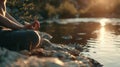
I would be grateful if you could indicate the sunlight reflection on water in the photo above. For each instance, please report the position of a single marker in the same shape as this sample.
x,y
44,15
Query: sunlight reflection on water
x,y
102,35
103,21
105,51
76,20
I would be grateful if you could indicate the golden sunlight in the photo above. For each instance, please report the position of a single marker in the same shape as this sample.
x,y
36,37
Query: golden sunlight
x,y
103,22
102,35
103,40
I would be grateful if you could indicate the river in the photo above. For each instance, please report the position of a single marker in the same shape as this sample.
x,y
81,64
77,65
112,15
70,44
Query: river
x,y
99,36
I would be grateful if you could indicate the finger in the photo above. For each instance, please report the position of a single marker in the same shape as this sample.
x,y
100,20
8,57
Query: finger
x,y
36,24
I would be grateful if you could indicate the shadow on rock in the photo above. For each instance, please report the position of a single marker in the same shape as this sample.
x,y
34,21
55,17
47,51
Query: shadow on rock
x,y
47,55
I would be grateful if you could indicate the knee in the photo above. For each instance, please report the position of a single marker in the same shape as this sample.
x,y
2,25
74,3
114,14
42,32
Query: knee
x,y
36,40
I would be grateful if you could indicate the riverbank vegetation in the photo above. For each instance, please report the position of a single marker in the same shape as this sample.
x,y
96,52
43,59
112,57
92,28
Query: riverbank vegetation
x,y
49,9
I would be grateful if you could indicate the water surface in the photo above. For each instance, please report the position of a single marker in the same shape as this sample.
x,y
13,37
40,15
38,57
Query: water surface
x,y
100,36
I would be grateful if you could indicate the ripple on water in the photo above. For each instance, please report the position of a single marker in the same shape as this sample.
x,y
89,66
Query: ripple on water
x,y
103,42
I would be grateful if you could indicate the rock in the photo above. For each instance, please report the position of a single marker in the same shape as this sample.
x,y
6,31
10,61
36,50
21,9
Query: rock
x,y
74,64
45,35
25,52
46,43
47,55
43,62
13,59
67,37
7,58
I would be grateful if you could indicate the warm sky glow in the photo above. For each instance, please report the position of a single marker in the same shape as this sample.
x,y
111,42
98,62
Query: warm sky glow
x,y
102,7
104,3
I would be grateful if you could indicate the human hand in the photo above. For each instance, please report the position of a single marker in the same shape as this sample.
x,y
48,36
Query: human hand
x,y
34,26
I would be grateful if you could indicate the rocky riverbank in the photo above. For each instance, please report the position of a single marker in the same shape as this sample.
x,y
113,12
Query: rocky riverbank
x,y
47,55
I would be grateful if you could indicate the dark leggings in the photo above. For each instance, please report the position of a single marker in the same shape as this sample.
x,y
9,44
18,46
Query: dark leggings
x,y
19,39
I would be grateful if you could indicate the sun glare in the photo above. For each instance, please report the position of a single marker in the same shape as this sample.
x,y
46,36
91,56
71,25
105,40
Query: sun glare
x,y
103,22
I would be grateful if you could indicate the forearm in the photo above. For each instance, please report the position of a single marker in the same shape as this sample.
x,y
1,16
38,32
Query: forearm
x,y
11,18
10,24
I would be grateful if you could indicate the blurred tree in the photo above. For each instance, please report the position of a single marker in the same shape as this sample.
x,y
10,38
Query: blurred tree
x,y
51,10
44,9
67,9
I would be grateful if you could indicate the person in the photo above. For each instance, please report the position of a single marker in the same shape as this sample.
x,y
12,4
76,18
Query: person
x,y
14,35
